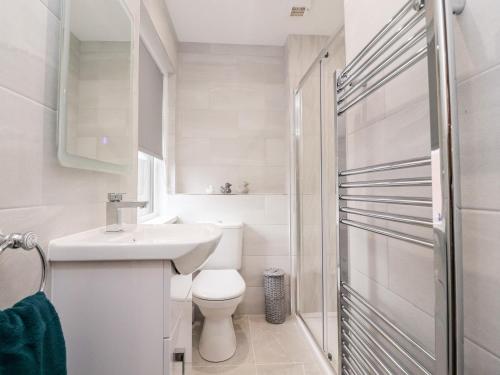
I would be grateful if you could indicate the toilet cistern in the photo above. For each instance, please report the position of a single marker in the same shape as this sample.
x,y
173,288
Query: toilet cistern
x,y
113,211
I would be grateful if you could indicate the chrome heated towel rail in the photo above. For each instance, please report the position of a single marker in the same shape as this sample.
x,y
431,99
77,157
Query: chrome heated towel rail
x,y
369,341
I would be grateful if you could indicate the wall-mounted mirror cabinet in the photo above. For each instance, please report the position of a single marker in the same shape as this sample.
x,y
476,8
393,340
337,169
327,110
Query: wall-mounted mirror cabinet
x,y
95,97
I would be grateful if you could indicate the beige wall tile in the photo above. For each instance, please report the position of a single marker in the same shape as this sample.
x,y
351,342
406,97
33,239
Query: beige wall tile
x,y
30,55
481,278
234,97
479,115
476,38
37,193
266,240
253,301
479,361
254,266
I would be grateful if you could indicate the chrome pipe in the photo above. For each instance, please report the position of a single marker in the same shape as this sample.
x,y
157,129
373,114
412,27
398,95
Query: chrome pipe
x,y
407,201
355,361
389,233
446,213
381,332
354,354
383,49
417,181
353,338
353,327
382,65
342,235
353,349
382,317
392,22
387,216
404,66
355,370
402,164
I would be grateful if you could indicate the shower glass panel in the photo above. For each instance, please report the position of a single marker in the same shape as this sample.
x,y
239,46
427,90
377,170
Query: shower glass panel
x,y
310,302
314,192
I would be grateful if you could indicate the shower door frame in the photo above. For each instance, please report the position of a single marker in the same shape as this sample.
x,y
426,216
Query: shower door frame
x,y
325,219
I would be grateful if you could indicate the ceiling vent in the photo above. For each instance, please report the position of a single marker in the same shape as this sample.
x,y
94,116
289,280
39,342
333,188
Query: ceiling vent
x,y
299,7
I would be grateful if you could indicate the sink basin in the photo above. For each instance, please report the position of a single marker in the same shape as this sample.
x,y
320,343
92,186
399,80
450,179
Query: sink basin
x,y
186,245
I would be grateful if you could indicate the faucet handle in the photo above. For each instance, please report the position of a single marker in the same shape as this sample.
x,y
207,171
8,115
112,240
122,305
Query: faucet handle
x,y
115,197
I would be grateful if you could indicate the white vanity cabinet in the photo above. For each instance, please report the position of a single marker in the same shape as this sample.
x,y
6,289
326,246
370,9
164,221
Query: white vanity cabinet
x,y
123,317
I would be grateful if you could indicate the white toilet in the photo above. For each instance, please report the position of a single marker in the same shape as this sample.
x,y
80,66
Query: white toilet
x,y
217,291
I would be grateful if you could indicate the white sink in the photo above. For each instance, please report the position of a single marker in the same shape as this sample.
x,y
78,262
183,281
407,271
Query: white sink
x,y
186,245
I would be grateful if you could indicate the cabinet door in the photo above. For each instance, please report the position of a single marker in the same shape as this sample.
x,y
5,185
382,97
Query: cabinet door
x,y
175,354
112,316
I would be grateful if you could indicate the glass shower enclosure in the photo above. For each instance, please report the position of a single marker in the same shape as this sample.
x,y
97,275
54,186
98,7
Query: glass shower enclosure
x,y
313,220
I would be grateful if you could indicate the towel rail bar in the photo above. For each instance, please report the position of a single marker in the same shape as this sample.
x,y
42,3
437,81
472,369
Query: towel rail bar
x,y
357,330
383,334
352,79
389,233
401,164
388,27
407,201
404,66
356,364
381,66
387,321
417,181
353,337
354,370
364,363
388,216
359,351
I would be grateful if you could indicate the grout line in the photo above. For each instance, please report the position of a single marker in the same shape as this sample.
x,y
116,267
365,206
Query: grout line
x,y
475,75
473,209
51,12
33,101
482,347
251,341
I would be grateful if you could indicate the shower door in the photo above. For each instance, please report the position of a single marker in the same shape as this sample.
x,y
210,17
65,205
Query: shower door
x,y
316,256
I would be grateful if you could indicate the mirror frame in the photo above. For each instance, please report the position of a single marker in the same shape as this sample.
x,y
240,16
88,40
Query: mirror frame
x,y
71,160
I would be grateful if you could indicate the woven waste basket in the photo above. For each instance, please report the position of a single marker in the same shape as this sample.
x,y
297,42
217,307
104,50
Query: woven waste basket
x,y
275,295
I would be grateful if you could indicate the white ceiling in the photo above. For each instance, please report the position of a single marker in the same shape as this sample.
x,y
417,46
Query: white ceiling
x,y
261,22
100,20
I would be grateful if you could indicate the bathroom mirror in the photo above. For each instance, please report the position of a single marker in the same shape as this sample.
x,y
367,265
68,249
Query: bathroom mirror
x,y
95,93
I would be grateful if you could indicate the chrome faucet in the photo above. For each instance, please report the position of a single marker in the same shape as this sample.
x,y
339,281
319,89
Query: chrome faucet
x,y
113,211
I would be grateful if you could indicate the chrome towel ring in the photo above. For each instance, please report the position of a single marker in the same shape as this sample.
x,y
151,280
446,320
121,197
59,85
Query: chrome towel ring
x,y
27,241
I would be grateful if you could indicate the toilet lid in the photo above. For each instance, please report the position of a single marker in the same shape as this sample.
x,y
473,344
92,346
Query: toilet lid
x,y
218,285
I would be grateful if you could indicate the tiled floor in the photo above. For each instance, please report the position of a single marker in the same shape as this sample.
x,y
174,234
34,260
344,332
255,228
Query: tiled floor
x,y
263,349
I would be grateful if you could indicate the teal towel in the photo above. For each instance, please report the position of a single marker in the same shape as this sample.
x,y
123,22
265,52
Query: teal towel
x,y
31,339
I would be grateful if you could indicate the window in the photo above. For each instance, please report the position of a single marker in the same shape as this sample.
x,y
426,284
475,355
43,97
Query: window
x,y
146,185
152,182
151,186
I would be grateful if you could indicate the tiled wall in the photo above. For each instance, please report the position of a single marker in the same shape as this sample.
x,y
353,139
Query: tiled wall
x,y
231,126
36,193
478,69
231,118
393,124
265,236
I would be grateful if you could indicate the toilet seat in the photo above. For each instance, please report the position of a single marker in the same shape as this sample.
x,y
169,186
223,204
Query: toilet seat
x,y
218,285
